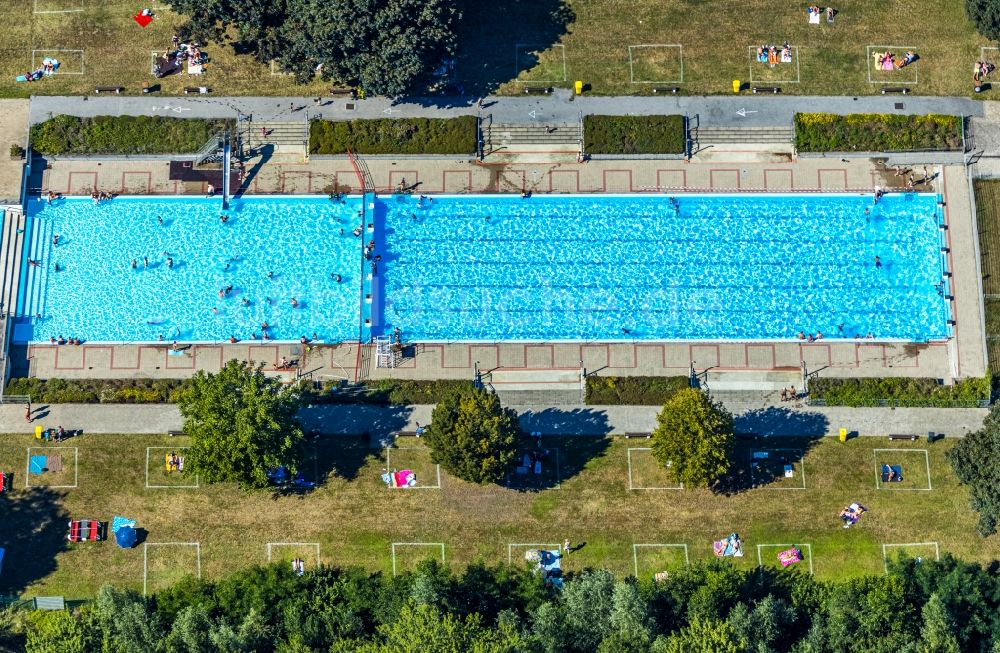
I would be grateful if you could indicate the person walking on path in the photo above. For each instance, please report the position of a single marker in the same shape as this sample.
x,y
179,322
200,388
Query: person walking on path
x,y
566,548
27,412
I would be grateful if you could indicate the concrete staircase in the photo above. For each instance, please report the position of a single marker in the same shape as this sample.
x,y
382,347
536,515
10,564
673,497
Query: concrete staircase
x,y
769,144
507,140
286,137
535,387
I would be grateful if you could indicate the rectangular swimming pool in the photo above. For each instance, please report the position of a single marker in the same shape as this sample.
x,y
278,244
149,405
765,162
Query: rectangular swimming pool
x,y
490,268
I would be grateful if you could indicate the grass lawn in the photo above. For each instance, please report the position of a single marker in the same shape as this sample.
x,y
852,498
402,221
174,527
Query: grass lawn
x,y
604,43
355,519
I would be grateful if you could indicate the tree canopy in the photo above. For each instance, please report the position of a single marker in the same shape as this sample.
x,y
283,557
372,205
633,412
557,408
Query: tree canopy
x,y
241,424
976,461
986,16
473,437
695,438
386,48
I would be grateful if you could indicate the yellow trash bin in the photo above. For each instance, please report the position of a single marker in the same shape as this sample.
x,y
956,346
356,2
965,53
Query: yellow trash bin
x,y
578,87
736,86
843,435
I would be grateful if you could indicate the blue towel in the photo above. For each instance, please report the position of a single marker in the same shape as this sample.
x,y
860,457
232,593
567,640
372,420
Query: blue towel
x,y
37,464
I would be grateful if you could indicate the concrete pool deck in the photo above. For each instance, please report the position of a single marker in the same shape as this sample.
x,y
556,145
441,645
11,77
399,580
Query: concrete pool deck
x,y
961,357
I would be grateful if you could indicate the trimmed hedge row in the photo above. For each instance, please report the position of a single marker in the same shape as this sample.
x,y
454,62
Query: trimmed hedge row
x,y
123,135
634,134
395,136
155,391
633,390
876,132
898,392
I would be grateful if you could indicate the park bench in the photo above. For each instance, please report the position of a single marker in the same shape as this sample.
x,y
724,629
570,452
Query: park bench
x,y
50,603
896,89
902,436
405,434
341,92
173,433
189,90
666,89
638,435
117,90
766,89
537,90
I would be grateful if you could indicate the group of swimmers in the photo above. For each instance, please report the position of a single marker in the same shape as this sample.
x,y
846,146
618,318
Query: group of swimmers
x,y
63,341
97,196
808,337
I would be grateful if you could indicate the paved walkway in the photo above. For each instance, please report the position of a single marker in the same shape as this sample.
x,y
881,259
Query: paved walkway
x,y
560,107
792,419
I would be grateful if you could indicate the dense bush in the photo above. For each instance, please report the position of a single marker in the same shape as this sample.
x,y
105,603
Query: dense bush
x,y
634,134
633,390
876,132
123,135
92,391
986,16
928,605
898,392
977,465
395,136
16,151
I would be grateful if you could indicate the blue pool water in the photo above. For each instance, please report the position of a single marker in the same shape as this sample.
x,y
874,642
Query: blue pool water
x,y
490,268
97,295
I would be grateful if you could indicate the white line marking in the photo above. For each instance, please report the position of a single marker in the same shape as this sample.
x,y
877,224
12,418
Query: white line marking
x,y
272,544
635,554
395,544
631,486
891,486
517,63
56,11
760,558
145,558
885,553
197,482
680,58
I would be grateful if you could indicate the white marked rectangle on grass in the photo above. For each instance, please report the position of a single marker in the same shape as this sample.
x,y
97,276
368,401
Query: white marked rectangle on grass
x,y
886,547
41,450
402,544
71,7
802,468
760,557
419,486
537,48
70,61
542,547
637,56
556,485
297,544
895,50
636,547
633,486
795,58
879,485
154,487
145,559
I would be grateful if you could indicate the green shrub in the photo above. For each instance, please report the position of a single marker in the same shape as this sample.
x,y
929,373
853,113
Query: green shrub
x,y
92,391
123,135
633,390
898,392
16,151
876,132
634,134
395,136
389,392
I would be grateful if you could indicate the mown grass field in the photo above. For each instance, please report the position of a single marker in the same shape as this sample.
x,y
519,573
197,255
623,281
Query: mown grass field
x,y
355,519
614,46
988,221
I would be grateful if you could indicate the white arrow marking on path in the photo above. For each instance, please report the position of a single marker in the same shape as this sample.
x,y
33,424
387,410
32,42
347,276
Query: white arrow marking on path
x,y
389,111
743,112
532,115
179,109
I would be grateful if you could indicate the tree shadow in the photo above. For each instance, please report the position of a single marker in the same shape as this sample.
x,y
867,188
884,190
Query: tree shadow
x,y
544,462
776,420
265,153
35,527
343,457
575,421
770,462
490,39
344,440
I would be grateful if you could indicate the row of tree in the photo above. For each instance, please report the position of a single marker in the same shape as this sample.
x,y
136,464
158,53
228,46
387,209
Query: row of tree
x,y
938,607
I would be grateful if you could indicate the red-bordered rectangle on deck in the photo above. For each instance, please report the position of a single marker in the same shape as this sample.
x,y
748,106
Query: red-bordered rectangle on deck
x,y
569,181
816,354
831,179
595,356
142,187
284,174
405,178
760,357
268,353
724,178
704,356
81,190
614,183
456,181
778,179
511,181
672,179
540,350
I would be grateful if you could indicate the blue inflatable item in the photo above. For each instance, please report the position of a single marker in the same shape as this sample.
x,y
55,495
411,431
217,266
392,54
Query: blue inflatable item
x,y
119,522
125,537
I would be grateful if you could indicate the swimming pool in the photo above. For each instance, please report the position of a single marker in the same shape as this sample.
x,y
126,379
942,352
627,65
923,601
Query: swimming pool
x,y
488,268
652,267
269,251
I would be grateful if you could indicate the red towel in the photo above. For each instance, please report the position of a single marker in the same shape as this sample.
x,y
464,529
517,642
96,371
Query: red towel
x,y
142,19
93,531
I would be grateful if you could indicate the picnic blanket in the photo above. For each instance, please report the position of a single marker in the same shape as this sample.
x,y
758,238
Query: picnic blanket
x,y
36,465
195,67
549,563
897,473
729,547
789,556
120,522
54,464
814,18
